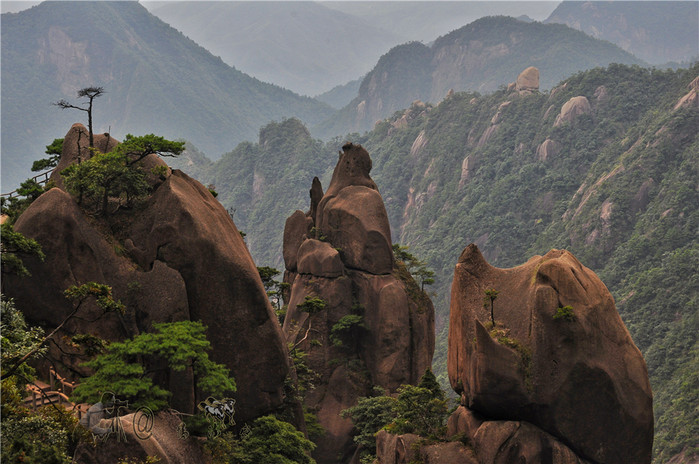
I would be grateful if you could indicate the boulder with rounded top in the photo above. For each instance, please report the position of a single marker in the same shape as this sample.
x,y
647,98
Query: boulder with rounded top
x,y
573,108
559,355
528,80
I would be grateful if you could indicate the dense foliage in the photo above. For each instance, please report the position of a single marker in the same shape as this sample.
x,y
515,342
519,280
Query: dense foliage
x,y
269,441
420,409
619,192
14,246
28,436
127,367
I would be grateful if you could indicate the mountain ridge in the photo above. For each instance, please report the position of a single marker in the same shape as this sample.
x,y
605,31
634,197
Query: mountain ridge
x,y
637,27
477,57
154,77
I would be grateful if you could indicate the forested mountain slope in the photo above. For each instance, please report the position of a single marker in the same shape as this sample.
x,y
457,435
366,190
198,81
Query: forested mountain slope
x,y
154,76
613,183
480,56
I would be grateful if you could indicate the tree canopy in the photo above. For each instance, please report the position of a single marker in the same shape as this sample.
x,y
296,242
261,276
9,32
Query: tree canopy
x,y
116,174
126,368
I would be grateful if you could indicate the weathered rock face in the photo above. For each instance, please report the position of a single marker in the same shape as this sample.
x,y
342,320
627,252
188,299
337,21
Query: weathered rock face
x,y
76,148
352,215
572,109
188,229
505,442
479,442
161,441
691,99
528,80
181,257
343,255
581,380
547,150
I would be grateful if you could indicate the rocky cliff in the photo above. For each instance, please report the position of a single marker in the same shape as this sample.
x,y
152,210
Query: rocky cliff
x,y
555,379
377,326
178,256
559,357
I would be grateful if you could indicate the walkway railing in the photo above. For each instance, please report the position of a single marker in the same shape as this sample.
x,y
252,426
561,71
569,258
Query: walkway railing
x,y
42,394
41,179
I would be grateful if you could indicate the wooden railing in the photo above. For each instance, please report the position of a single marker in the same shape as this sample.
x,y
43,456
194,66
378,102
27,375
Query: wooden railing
x,y
42,394
41,179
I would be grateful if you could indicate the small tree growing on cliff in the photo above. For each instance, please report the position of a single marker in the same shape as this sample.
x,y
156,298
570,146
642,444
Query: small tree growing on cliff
x,y
274,290
347,331
79,295
12,246
490,295
416,267
54,151
90,93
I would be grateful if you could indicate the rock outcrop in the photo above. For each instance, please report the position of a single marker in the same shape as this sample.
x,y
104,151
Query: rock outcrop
x,y
340,251
547,150
574,375
179,258
691,99
406,449
573,108
76,148
158,438
528,81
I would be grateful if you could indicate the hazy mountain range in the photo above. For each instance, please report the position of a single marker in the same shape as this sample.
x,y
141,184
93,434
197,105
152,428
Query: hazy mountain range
x,y
156,81
310,47
150,70
614,183
481,56
640,28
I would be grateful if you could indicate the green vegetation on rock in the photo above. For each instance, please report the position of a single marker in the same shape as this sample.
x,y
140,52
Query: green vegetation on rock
x,y
125,366
269,441
420,409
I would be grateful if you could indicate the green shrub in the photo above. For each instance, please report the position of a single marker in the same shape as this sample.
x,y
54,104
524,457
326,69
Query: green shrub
x,y
565,313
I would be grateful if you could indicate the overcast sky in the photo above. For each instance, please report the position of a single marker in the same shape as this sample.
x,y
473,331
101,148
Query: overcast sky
x,y
15,6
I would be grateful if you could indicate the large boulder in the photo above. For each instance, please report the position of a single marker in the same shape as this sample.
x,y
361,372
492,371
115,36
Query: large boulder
x,y
76,253
574,373
76,148
356,222
548,150
528,80
505,442
188,229
180,258
573,108
319,259
348,262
